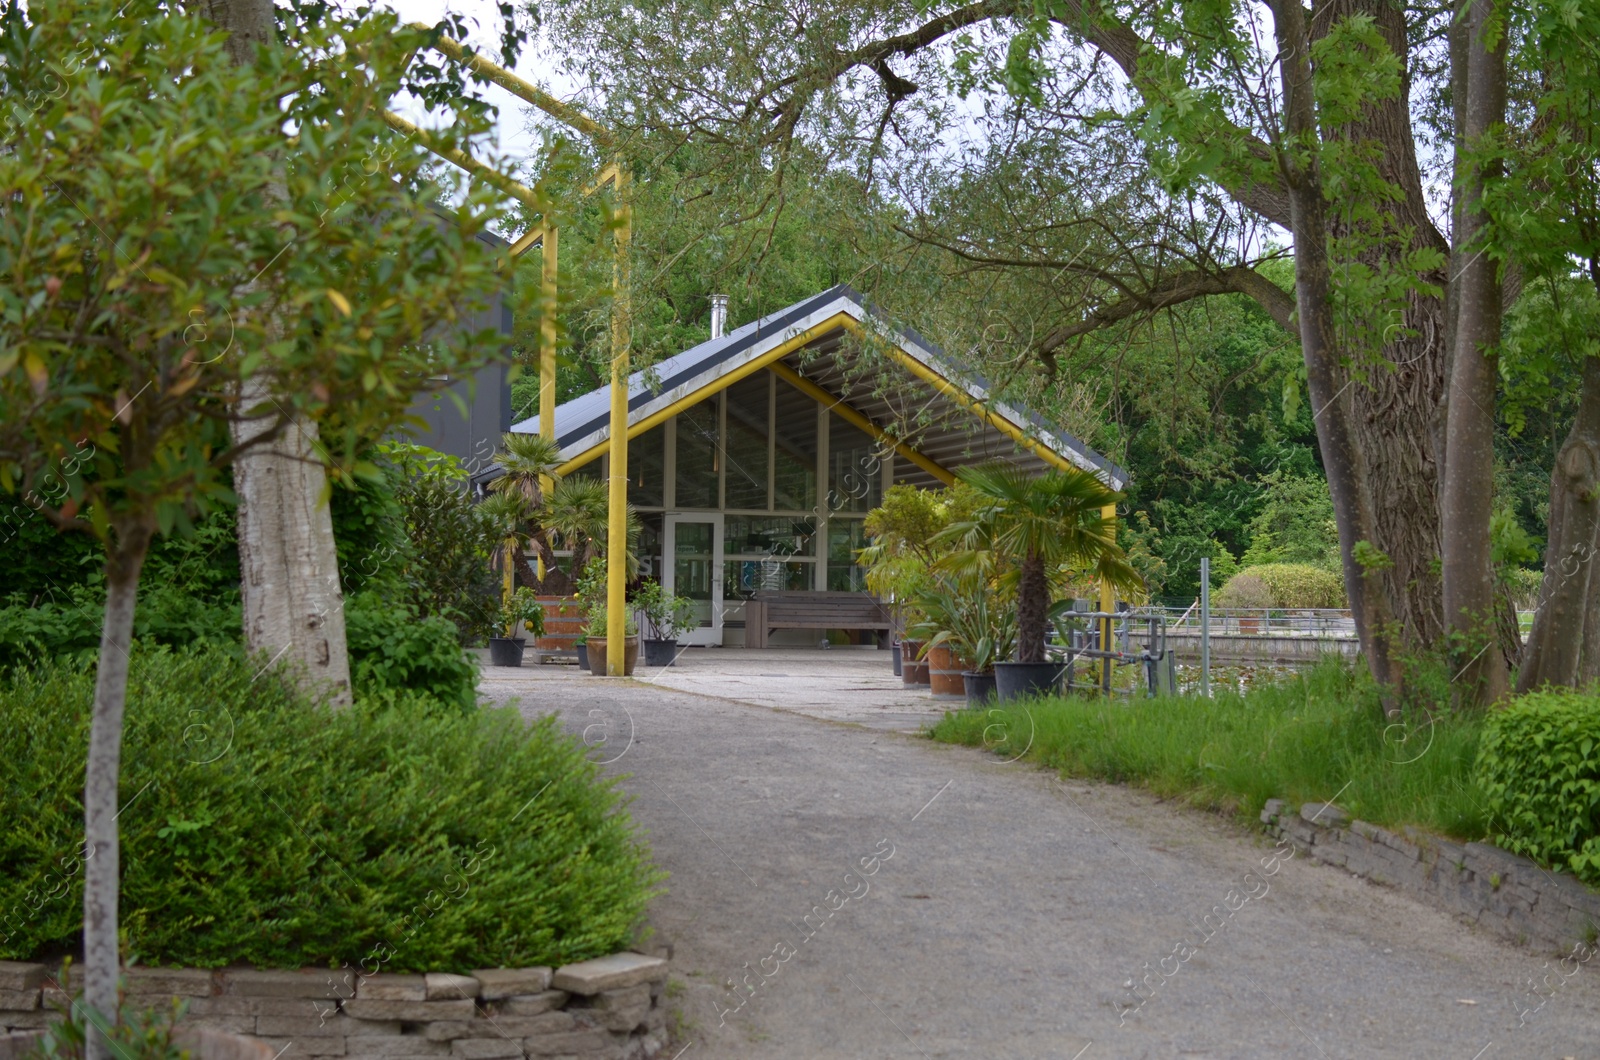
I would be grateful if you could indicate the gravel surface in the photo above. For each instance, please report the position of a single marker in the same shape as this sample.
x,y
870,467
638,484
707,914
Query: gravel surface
x,y
1015,910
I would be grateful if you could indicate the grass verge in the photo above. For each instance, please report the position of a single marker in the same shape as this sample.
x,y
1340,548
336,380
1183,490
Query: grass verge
x,y
1309,738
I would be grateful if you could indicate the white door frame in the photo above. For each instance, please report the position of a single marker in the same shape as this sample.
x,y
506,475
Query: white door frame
x,y
703,635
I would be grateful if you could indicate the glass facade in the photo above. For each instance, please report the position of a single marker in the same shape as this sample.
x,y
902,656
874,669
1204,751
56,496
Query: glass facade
x,y
855,469
794,477
745,485
845,536
647,468
697,454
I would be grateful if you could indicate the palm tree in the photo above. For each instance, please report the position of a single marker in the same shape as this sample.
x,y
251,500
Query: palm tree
x,y
528,460
1040,523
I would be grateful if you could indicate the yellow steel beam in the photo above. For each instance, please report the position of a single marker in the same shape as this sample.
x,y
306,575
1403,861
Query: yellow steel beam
x,y
509,81
516,189
1108,601
617,513
855,418
659,417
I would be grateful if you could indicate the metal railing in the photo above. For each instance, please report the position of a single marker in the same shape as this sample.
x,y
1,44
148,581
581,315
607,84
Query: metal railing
x,y
1263,621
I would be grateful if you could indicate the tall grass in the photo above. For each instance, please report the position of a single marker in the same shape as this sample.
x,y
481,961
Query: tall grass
x,y
1316,736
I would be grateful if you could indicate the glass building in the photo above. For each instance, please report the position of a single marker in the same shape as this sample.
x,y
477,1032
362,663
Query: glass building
x,y
754,457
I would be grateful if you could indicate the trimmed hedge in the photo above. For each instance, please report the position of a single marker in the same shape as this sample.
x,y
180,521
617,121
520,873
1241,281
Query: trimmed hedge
x,y
1292,585
258,827
1539,765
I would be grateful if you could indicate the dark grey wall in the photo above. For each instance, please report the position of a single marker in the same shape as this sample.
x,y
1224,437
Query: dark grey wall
x,y
472,438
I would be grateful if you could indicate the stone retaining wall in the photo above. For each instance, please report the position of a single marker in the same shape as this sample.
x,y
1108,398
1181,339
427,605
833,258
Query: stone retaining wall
x,y
1483,885
610,1008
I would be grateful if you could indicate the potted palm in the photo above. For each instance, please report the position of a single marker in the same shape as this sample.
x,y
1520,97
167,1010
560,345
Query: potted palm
x,y
597,646
971,624
902,530
1031,526
667,615
521,611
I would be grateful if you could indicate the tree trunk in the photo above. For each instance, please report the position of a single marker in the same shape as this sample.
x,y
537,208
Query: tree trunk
x,y
293,606
1330,401
1564,644
101,862
1478,670
1033,601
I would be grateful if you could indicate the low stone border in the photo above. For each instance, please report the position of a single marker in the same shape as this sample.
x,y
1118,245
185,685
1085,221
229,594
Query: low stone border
x,y
610,1008
1504,893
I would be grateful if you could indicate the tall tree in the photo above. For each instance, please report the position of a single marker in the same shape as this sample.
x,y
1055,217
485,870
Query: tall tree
x,y
1293,118
147,211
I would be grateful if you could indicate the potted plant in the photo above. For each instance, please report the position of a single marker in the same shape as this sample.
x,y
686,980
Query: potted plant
x,y
520,611
597,646
1030,526
969,625
667,615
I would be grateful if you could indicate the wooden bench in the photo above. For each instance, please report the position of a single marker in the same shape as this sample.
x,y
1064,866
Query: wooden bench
x,y
772,609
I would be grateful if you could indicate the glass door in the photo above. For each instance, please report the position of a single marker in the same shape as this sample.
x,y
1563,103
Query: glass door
x,y
693,568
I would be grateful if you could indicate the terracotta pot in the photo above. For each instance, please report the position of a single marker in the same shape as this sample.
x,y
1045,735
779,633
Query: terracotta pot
x,y
913,671
563,623
597,655
944,673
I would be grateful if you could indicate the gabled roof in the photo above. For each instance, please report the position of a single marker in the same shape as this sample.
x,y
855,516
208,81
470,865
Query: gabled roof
x,y
583,424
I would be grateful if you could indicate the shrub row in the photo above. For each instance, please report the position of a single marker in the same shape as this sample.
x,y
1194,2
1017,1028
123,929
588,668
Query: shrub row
x,y
260,827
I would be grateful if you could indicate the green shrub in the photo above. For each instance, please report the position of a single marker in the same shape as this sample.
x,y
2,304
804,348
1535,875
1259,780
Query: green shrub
x,y
260,828
69,626
1294,585
1539,766
393,651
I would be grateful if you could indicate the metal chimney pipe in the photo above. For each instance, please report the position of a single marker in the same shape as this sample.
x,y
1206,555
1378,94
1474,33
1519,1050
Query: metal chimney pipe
x,y
719,315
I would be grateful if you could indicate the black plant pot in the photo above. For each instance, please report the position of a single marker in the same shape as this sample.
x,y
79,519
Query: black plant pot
x,y
980,688
660,652
1020,680
894,650
583,656
505,652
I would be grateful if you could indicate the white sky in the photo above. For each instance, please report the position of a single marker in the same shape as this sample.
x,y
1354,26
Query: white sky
x,y
515,140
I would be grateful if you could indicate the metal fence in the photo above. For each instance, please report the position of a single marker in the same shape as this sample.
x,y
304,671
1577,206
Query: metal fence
x,y
1263,621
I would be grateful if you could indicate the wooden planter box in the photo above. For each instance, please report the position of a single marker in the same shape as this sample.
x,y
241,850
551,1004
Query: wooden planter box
x,y
563,624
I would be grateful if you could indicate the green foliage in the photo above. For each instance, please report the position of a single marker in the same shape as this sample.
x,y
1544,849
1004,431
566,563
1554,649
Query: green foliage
x,y
68,626
394,653
522,609
273,831
1539,767
669,614
446,566
1295,523
1303,739
138,349
136,1034
974,617
1295,585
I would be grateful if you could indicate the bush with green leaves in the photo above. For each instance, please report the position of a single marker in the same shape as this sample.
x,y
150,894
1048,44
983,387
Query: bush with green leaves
x,y
395,652
1539,765
261,828
1290,585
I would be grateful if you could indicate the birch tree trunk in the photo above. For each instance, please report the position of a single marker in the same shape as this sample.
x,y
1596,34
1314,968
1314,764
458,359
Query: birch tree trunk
x,y
1479,676
101,964
293,605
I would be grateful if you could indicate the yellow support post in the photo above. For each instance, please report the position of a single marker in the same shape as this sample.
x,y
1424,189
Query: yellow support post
x,y
617,515
1108,603
548,247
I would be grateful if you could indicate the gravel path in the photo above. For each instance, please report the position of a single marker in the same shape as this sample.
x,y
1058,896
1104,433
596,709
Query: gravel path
x,y
1014,909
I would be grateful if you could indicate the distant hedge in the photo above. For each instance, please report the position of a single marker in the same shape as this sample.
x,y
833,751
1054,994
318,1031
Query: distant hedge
x,y
260,828
1539,765
1293,585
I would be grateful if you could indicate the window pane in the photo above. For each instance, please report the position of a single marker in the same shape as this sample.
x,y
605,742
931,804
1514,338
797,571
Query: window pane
x,y
746,446
692,566
697,456
795,483
743,577
855,469
845,536
646,466
753,535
